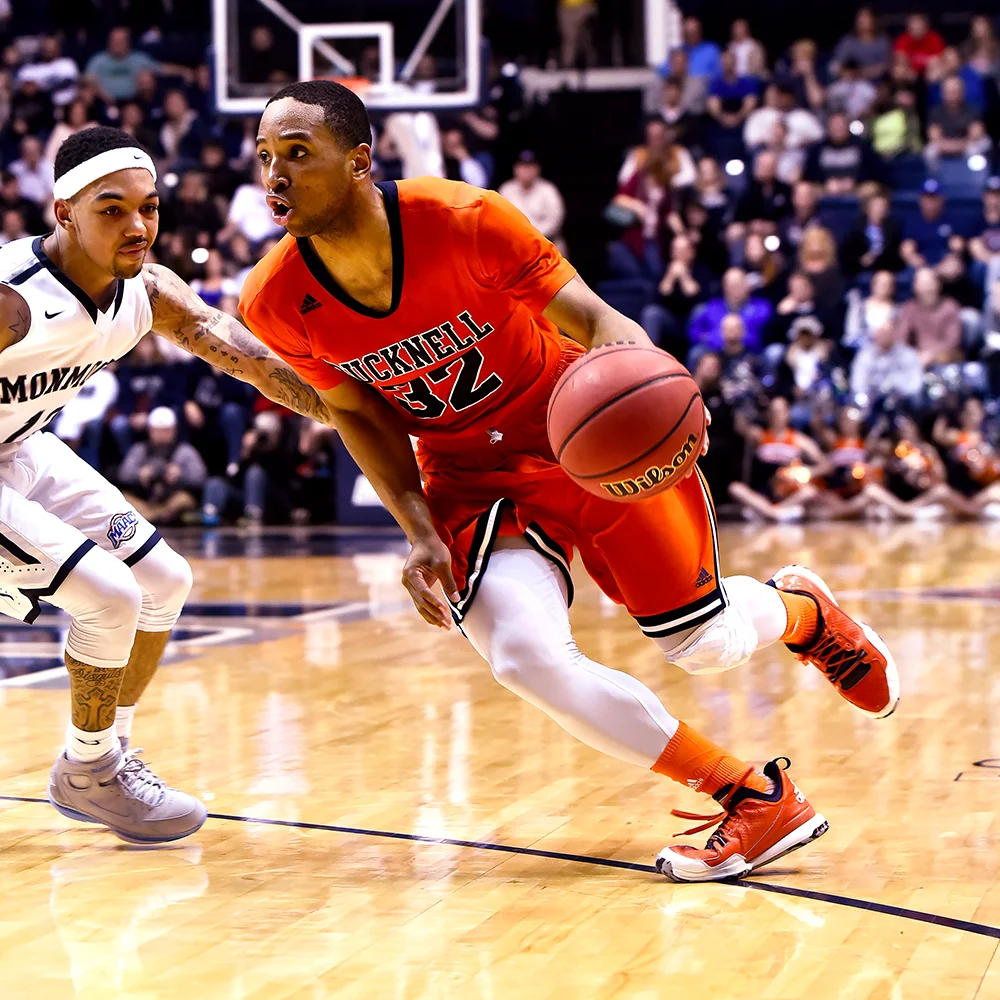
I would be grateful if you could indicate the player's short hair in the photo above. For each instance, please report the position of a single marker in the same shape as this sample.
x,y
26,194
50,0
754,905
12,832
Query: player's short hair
x,y
83,145
344,113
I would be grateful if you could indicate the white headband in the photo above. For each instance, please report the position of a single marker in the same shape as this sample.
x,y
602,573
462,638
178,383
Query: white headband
x,y
83,174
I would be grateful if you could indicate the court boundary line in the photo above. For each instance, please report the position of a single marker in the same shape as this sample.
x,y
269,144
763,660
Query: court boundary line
x,y
886,909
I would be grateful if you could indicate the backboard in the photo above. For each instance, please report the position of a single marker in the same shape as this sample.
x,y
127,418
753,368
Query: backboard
x,y
397,54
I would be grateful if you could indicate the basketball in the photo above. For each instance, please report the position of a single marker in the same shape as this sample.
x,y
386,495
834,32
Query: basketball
x,y
626,422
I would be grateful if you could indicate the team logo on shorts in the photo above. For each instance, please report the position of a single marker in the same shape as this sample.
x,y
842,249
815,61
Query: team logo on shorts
x,y
123,527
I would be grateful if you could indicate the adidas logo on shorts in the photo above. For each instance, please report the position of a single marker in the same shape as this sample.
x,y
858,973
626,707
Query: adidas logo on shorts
x,y
704,578
309,304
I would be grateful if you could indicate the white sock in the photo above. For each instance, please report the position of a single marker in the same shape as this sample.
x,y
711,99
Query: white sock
x,y
123,721
84,747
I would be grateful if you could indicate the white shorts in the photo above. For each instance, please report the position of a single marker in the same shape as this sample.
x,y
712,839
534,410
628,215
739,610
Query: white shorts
x,y
53,508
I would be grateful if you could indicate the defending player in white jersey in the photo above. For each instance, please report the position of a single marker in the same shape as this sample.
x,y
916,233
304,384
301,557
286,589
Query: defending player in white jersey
x,y
70,304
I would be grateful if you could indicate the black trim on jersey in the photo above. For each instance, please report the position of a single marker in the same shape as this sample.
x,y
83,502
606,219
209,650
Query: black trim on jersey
x,y
57,581
143,549
537,538
681,619
70,285
22,276
702,609
119,297
319,271
480,550
15,550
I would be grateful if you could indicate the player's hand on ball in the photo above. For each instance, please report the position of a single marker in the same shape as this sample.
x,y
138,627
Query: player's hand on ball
x,y
428,562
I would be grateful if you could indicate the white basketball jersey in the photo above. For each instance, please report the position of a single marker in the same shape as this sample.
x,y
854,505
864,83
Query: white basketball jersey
x,y
68,341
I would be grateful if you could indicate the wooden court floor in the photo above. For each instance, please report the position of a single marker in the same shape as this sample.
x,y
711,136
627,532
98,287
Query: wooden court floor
x,y
387,822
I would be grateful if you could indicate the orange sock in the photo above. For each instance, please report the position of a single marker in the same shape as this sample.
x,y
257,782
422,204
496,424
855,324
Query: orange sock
x,y
803,618
693,760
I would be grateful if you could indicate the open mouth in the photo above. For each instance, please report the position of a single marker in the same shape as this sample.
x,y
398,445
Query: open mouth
x,y
280,209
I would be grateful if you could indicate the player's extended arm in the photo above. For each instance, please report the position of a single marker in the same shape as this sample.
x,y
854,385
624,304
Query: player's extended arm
x,y
225,343
583,315
377,440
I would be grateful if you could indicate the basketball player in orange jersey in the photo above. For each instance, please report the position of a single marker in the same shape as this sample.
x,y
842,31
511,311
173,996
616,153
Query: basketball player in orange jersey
x,y
431,308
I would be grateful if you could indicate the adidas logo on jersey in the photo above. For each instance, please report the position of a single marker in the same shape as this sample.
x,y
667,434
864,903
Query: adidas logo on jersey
x,y
704,578
309,304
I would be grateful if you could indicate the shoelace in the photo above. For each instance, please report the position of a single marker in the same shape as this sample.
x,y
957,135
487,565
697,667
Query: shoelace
x,y
709,820
838,663
137,779
719,837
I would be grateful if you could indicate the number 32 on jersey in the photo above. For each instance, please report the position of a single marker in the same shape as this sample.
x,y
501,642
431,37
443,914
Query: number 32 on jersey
x,y
457,384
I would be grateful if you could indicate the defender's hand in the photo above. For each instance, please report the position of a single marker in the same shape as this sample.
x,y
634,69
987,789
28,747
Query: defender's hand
x,y
429,561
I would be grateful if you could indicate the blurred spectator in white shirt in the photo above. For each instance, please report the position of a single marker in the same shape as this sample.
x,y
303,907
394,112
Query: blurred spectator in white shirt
x,y
538,198
250,214
34,174
53,72
802,126
81,420
851,92
414,137
751,59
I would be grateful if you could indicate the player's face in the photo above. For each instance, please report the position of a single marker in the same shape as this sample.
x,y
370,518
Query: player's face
x,y
307,173
114,221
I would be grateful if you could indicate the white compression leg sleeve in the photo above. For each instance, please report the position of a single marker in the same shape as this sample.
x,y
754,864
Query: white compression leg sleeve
x,y
165,578
755,617
519,623
102,598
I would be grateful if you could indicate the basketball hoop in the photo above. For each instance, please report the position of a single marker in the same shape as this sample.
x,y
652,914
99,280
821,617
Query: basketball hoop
x,y
359,84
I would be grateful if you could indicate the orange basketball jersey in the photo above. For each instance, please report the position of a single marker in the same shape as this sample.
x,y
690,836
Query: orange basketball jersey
x,y
465,357
462,351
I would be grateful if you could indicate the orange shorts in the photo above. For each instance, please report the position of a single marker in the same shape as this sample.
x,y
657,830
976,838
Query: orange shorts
x,y
659,557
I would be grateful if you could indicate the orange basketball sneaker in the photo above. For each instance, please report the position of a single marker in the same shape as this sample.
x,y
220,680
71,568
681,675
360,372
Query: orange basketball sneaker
x,y
851,654
755,828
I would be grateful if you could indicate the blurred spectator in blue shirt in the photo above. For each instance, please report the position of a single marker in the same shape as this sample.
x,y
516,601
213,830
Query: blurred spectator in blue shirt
x,y
116,68
874,240
731,97
981,50
955,127
706,324
929,236
984,247
949,64
704,57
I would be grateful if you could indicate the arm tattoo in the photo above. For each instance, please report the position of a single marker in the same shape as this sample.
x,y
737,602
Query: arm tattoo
x,y
181,316
296,395
20,326
94,694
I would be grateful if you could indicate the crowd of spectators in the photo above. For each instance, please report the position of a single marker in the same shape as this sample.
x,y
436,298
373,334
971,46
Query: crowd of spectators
x,y
188,444
815,232
821,228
